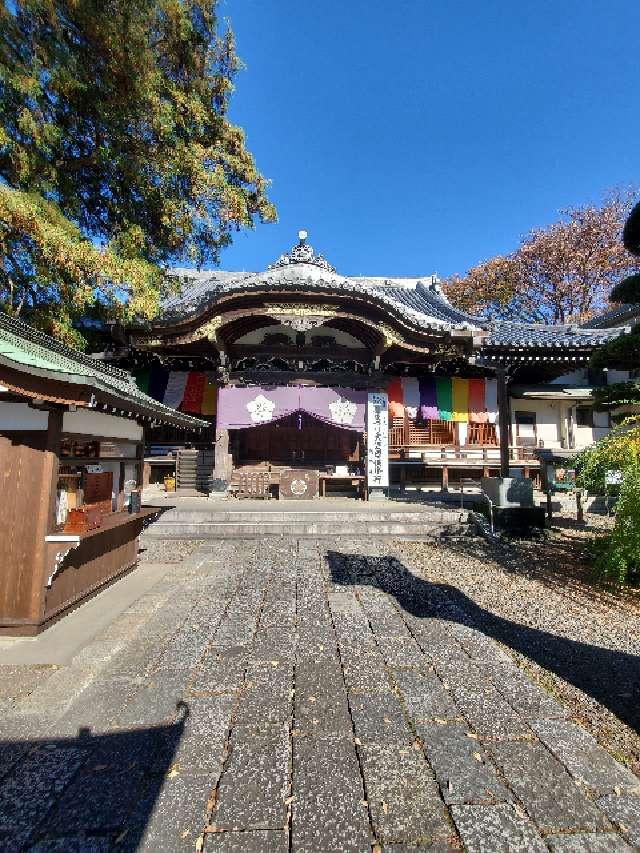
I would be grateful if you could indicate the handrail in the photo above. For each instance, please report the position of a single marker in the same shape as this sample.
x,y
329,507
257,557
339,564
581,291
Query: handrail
x,y
490,502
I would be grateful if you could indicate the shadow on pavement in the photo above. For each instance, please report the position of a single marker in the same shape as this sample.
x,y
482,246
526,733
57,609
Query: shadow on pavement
x,y
89,793
611,677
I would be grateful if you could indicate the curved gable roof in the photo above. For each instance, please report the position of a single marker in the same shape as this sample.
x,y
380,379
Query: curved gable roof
x,y
422,305
418,302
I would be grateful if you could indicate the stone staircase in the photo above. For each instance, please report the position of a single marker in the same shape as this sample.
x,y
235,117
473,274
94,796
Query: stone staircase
x,y
426,522
194,470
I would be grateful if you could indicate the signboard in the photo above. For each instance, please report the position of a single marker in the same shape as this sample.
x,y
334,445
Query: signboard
x,y
116,449
377,440
612,478
298,484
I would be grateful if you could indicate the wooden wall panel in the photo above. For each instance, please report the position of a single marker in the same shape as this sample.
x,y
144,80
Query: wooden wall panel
x,y
28,478
24,469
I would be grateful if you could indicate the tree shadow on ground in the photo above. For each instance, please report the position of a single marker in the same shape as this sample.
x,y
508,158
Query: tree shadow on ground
x,y
611,677
85,794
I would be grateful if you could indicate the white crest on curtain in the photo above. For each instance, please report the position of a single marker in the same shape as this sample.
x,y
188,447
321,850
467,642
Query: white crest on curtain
x,y
342,411
412,411
261,409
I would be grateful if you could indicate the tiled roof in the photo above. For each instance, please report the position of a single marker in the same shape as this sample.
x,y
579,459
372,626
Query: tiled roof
x,y
618,316
28,350
419,302
423,306
428,299
509,335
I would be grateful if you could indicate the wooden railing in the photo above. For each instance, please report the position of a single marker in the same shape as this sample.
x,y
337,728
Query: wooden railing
x,y
404,432
468,454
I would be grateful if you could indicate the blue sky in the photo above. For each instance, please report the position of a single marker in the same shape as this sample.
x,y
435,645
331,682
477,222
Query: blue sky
x,y
419,136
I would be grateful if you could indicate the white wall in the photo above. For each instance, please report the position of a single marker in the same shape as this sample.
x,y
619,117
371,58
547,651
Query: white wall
x,y
18,416
583,436
552,422
87,422
547,419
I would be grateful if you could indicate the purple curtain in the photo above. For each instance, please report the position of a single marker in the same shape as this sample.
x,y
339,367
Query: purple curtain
x,y
428,401
240,408
338,406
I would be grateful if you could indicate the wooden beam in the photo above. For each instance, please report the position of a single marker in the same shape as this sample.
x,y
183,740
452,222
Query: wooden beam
x,y
504,419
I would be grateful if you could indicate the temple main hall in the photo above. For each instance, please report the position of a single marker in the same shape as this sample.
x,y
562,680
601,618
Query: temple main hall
x,y
313,382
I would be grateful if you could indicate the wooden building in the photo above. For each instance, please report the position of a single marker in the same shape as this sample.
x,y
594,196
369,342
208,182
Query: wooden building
x,y
71,459
459,388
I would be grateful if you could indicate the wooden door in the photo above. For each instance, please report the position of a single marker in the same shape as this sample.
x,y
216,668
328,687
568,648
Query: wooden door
x,y
298,440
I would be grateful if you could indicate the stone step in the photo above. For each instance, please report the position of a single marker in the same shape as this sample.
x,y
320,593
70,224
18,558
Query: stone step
x,y
427,525
175,516
257,531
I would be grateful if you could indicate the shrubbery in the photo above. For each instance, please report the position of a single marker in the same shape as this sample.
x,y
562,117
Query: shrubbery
x,y
617,555
616,452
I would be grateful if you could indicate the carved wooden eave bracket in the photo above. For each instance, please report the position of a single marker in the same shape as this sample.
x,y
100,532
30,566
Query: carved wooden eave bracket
x,y
60,546
300,323
303,317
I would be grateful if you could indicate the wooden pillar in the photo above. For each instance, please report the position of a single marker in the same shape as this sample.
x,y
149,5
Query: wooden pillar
x,y
222,459
445,478
45,514
503,420
140,465
52,460
120,497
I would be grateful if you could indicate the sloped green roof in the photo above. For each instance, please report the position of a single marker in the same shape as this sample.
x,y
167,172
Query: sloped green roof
x,y
30,351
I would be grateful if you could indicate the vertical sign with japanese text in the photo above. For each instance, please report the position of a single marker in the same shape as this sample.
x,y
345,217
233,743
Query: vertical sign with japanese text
x,y
377,440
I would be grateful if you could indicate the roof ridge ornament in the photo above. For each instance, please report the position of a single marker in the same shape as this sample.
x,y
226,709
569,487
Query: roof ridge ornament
x,y
302,253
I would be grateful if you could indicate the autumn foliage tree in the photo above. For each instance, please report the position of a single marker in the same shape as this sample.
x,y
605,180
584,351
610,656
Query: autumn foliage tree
x,y
563,273
116,154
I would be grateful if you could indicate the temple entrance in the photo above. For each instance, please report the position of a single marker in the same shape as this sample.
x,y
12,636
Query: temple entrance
x,y
298,440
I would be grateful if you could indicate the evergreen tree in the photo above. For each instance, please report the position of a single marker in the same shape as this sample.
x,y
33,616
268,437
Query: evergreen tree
x,y
116,154
622,399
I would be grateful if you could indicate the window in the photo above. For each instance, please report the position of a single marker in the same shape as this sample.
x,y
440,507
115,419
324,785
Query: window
x,y
526,429
584,416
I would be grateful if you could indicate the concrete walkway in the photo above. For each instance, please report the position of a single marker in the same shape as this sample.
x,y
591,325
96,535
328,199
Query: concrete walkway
x,y
59,644
294,696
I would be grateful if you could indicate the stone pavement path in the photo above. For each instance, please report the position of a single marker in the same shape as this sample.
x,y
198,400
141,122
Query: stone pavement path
x,y
287,695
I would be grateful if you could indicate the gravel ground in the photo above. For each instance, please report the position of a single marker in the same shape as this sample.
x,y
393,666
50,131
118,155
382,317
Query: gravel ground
x,y
166,550
575,639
